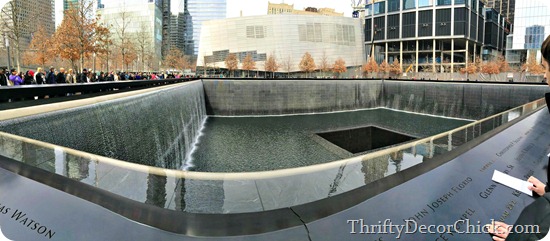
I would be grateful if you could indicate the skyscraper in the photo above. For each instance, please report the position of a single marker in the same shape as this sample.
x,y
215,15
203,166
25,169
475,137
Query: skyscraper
x,y
203,10
177,24
166,17
144,20
67,4
27,21
534,36
188,44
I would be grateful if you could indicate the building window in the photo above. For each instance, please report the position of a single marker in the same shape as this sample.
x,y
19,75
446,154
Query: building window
x,y
460,2
380,7
425,3
534,36
368,10
409,4
443,2
393,6
473,4
256,31
338,34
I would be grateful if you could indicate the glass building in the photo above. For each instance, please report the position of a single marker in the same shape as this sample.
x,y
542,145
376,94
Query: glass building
x,y
532,25
204,10
144,18
177,25
441,35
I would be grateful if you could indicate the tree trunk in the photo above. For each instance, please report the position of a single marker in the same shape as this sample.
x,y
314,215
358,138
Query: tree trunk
x,y
17,58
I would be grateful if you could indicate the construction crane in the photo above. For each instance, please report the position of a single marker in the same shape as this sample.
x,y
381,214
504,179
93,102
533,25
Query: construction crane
x,y
358,8
409,69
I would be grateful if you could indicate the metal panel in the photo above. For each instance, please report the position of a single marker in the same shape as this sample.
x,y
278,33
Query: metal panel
x,y
443,22
460,21
393,26
425,23
368,29
380,27
473,25
409,25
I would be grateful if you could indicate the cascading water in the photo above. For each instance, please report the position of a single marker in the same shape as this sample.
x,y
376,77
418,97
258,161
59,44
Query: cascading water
x,y
157,129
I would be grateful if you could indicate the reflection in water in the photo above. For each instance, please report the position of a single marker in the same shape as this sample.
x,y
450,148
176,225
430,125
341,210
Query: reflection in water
x,y
156,190
337,179
77,169
60,162
397,158
374,168
180,194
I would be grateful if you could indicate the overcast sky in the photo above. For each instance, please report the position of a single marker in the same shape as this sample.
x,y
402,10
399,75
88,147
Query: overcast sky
x,y
249,7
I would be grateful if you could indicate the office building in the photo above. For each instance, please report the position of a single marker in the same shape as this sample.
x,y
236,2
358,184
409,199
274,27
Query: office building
x,y
532,22
143,18
166,18
177,26
504,7
68,3
200,11
442,35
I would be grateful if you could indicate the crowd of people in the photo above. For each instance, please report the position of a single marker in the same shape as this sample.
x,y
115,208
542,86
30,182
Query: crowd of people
x,y
62,76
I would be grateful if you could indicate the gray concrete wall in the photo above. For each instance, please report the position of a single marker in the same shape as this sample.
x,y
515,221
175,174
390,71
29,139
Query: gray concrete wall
x,y
277,97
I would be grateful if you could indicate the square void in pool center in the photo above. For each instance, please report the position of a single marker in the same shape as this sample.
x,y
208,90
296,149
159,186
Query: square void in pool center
x,y
363,139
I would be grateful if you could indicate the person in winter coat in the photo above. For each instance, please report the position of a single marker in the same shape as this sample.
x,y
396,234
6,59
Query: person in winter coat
x,y
39,77
60,78
15,78
538,212
3,78
50,77
28,78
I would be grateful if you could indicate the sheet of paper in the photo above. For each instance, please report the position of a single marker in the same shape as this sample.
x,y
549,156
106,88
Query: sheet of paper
x,y
512,182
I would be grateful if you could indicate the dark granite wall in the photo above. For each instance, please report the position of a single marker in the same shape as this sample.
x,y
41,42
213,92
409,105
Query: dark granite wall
x,y
278,97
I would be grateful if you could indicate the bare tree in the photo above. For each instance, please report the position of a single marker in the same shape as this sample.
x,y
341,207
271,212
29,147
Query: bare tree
x,y
232,63
287,65
395,68
371,66
503,64
385,68
124,42
79,33
143,42
105,50
248,64
307,64
40,50
176,60
339,66
324,64
271,64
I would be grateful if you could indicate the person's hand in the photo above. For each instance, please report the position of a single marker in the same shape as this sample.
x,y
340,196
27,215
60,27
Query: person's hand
x,y
499,230
537,187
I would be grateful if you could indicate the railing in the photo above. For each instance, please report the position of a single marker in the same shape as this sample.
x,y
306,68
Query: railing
x,y
199,192
29,92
